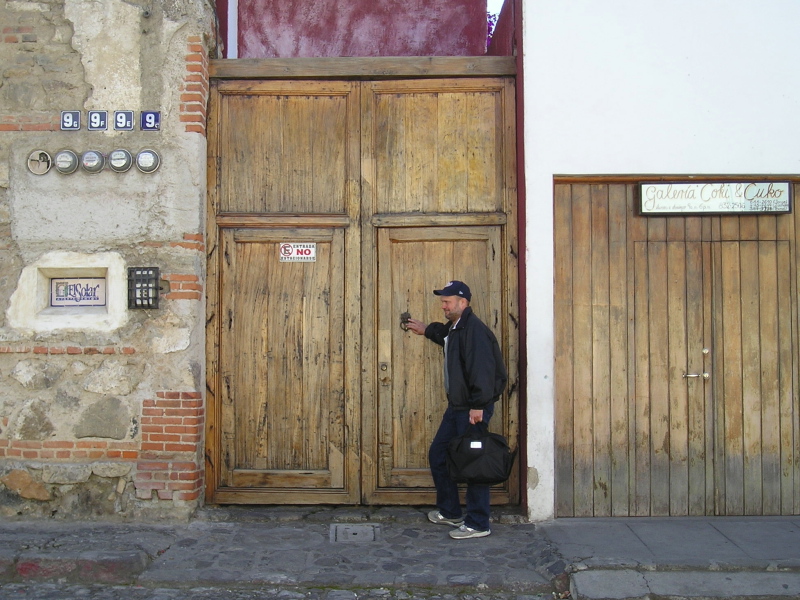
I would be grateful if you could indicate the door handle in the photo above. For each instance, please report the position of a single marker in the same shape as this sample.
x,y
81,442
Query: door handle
x,y
404,321
703,375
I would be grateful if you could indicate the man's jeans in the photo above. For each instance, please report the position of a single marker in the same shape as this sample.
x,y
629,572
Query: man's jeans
x,y
455,423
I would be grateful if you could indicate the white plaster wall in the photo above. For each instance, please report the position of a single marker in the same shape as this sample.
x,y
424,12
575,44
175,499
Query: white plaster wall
x,y
641,87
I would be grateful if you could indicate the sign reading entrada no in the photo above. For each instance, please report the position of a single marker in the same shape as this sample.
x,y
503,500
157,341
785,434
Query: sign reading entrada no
x,y
695,198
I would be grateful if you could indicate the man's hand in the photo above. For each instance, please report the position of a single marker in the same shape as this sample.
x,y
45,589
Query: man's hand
x,y
475,416
415,326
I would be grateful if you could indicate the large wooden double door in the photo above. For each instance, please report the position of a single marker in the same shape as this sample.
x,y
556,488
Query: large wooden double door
x,y
316,394
676,362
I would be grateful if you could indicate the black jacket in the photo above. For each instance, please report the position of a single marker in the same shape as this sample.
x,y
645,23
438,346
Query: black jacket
x,y
475,367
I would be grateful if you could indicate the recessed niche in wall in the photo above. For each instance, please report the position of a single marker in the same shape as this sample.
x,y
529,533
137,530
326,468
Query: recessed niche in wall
x,y
96,302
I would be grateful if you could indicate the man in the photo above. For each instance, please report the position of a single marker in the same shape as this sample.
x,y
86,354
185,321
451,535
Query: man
x,y
474,378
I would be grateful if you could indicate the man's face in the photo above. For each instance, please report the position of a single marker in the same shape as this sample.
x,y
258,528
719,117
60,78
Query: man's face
x,y
453,306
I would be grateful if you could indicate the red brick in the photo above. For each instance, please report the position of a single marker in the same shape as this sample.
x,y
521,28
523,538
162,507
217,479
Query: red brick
x,y
182,296
175,429
54,350
188,496
91,351
197,237
146,476
130,454
151,446
11,39
162,420
63,454
74,350
150,485
164,495
192,118
196,129
30,454
58,444
26,444
160,437
40,349
169,395
153,466
182,277
38,127
180,447
109,350
181,485
128,350
92,445
184,466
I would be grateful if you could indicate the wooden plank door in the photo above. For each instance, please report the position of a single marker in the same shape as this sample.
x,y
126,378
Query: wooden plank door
x,y
673,431
439,204
753,377
676,360
283,337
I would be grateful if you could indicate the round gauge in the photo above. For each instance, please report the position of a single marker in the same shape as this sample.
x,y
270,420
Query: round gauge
x,y
39,162
66,162
93,161
120,160
147,161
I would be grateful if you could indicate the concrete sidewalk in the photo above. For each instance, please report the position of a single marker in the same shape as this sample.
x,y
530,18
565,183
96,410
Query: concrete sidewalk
x,y
364,549
693,557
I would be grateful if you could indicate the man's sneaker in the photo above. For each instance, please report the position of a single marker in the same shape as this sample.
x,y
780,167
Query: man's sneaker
x,y
436,517
465,533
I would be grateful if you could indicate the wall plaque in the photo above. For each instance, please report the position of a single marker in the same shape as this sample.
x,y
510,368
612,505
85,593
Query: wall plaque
x,y
715,198
85,291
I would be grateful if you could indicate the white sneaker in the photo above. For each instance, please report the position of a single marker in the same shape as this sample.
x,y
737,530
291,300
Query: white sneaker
x,y
436,517
465,533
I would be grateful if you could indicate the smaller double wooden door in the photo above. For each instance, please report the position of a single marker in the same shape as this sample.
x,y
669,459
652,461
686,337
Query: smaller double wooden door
x,y
677,361
316,394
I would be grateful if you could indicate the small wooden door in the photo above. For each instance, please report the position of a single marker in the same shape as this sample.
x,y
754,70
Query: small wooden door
x,y
676,360
316,395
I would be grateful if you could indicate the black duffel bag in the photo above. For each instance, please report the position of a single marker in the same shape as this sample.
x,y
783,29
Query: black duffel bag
x,y
479,456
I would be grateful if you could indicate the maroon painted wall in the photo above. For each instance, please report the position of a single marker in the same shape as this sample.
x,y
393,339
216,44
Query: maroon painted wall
x,y
502,43
329,28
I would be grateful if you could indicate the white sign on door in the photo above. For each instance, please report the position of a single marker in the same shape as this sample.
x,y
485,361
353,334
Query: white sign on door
x,y
294,252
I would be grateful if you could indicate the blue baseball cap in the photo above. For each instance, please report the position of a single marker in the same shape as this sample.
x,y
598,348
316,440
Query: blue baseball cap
x,y
455,288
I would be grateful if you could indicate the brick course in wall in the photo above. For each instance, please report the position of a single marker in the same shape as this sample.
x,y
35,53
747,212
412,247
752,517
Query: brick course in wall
x,y
194,90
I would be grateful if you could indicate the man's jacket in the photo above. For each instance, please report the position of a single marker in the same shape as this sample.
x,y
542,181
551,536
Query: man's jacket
x,y
475,368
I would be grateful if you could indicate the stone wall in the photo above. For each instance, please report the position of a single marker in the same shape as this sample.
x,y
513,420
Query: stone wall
x,y
101,414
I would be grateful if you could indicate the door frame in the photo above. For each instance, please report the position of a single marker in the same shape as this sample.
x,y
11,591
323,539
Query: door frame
x,y
372,68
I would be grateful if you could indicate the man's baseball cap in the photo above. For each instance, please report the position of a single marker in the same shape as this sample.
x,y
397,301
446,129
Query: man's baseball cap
x,y
455,288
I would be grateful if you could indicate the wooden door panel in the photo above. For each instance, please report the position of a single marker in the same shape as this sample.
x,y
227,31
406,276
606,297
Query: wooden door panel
x,y
294,153
412,263
283,407
439,146
752,376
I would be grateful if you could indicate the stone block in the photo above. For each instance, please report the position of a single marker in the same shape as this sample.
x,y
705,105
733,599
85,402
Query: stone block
x,y
25,485
66,473
113,470
107,418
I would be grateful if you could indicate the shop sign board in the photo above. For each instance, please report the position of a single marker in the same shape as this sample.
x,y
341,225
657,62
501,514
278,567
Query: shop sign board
x,y
83,291
715,198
